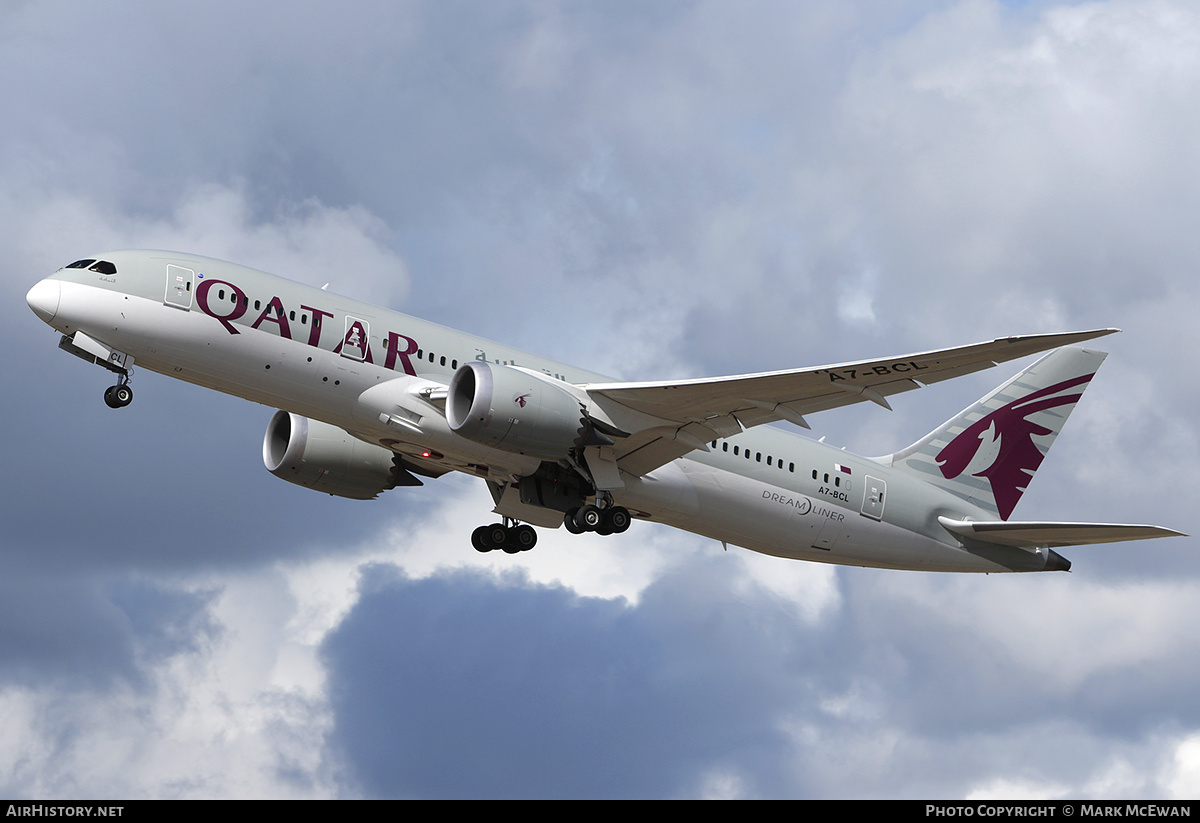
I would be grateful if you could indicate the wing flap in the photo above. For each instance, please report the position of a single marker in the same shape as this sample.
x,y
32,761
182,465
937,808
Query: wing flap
x,y
1049,534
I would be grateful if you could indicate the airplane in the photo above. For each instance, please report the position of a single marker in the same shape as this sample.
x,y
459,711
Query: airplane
x,y
370,399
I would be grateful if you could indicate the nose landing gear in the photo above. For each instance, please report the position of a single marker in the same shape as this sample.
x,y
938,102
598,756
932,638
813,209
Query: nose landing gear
x,y
117,362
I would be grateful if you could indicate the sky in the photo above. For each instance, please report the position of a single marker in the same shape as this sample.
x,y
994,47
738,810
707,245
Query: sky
x,y
657,190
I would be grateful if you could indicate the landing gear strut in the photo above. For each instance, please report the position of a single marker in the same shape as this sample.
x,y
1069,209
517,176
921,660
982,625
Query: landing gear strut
x,y
508,536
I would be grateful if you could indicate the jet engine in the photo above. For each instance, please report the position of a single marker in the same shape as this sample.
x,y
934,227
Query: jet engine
x,y
328,459
519,411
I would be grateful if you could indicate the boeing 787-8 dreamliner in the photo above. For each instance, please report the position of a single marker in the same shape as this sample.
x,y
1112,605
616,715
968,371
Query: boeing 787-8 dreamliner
x,y
370,399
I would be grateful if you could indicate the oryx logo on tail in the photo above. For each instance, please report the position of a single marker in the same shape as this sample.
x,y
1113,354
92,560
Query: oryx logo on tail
x,y
987,453
1006,437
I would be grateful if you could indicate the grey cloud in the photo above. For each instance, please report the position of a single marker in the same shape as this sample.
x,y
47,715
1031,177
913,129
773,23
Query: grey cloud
x,y
483,690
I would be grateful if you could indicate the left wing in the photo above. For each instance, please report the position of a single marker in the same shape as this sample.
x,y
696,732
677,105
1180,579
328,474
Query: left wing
x,y
689,413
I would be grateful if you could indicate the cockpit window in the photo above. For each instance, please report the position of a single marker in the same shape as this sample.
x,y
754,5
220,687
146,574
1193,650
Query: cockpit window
x,y
103,267
81,264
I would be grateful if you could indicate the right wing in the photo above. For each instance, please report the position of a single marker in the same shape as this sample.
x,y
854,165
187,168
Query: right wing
x,y
667,420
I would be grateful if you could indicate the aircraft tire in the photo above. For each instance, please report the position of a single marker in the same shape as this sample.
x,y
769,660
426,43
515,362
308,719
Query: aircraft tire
x,y
617,518
480,539
569,522
588,518
497,535
524,537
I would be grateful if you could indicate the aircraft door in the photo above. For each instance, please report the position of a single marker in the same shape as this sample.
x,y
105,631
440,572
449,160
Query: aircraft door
x,y
355,341
873,493
179,287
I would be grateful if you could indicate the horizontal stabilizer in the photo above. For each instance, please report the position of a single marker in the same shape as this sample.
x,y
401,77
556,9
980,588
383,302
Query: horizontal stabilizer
x,y
1034,534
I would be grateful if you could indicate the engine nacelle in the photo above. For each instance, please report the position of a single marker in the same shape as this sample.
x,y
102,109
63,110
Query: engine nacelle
x,y
517,410
327,459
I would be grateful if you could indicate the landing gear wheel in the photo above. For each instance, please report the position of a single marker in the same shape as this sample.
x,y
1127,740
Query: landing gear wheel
x,y
497,535
569,522
119,396
524,537
617,518
588,518
480,539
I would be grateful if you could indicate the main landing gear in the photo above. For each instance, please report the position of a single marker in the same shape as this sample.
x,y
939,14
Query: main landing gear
x,y
589,518
120,395
512,538
507,536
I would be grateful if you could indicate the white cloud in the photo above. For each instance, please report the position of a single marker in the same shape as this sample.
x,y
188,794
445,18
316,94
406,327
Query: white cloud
x,y
230,718
1182,779
304,241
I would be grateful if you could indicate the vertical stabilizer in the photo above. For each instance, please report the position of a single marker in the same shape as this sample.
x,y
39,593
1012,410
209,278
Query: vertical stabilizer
x,y
989,452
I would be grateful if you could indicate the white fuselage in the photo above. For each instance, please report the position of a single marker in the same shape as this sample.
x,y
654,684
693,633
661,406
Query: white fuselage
x,y
375,373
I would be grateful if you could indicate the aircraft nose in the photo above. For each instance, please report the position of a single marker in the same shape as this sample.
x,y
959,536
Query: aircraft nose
x,y
43,299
